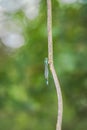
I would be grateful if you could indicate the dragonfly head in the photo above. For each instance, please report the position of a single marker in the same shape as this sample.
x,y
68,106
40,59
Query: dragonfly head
x,y
46,61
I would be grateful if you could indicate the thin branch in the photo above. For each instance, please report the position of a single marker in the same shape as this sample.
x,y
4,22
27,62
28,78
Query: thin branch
x,y
50,61
49,24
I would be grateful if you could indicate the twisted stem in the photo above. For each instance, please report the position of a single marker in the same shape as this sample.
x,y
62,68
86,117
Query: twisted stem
x,y
51,65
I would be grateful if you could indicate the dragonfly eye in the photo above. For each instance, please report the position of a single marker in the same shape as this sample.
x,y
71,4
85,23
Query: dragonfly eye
x,y
46,60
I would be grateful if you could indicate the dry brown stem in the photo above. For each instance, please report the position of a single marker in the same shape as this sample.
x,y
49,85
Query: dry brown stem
x,y
50,61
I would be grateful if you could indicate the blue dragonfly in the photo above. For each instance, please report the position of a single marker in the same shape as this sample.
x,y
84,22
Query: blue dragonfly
x,y
46,71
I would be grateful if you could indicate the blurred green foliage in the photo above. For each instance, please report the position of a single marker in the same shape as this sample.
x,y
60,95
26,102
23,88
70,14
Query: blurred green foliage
x,y
26,103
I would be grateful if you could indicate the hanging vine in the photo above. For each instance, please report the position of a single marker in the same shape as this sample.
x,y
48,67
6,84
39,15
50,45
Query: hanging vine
x,y
51,65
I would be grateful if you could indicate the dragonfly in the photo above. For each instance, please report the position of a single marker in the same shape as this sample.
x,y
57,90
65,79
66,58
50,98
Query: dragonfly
x,y
46,71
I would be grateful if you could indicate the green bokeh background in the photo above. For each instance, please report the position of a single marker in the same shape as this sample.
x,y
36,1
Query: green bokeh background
x,y
26,102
